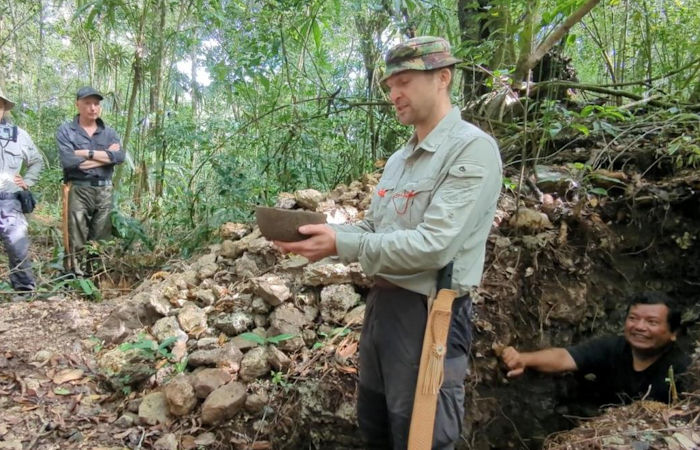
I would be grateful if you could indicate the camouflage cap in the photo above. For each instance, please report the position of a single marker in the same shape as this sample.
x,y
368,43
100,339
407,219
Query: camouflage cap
x,y
421,53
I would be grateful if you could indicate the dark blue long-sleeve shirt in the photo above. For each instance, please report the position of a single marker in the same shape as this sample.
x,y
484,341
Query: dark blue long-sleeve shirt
x,y
71,136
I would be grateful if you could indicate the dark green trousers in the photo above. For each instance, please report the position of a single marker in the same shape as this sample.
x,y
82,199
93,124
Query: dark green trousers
x,y
88,217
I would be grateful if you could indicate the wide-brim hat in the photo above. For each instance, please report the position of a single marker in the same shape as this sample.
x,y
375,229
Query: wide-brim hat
x,y
9,104
420,53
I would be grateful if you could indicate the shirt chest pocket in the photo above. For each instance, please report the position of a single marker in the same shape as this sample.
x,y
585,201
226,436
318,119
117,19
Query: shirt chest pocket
x,y
402,206
13,157
421,194
80,142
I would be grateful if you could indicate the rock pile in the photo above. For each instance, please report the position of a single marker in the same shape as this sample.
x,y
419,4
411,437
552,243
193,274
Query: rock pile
x,y
203,338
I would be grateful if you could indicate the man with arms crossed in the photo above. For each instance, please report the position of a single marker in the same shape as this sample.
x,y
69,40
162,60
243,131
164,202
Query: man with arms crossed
x,y
434,204
88,150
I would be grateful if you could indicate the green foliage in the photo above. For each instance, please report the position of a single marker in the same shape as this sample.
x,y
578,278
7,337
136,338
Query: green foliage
x,y
280,379
274,340
335,332
129,229
85,287
150,349
292,99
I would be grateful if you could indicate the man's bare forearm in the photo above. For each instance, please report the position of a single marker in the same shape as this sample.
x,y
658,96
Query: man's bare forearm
x,y
549,360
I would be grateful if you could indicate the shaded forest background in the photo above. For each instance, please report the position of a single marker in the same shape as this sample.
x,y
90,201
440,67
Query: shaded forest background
x,y
224,104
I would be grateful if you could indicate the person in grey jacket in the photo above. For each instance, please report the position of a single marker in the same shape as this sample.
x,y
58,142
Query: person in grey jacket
x,y
88,150
16,147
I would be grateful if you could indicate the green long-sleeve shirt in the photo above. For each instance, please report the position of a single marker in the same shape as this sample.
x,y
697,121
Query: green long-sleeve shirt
x,y
434,203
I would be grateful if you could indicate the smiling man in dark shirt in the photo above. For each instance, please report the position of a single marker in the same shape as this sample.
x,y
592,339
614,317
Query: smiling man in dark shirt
x,y
633,366
88,150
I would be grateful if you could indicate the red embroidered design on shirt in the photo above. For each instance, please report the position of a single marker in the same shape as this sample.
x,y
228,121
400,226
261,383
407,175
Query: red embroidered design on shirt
x,y
407,195
381,192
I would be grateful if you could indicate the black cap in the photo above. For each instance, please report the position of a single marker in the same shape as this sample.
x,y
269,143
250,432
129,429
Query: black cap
x,y
88,91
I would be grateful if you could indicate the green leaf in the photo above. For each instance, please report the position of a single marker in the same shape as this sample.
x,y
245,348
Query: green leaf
x,y
317,33
598,191
252,337
61,391
86,286
581,128
279,338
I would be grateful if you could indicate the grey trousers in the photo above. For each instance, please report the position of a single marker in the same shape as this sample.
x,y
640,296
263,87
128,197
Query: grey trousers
x,y
390,350
88,217
13,230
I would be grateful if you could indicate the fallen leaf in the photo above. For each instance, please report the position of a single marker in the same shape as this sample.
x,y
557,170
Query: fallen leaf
x,y
346,369
68,375
61,391
188,442
161,275
205,439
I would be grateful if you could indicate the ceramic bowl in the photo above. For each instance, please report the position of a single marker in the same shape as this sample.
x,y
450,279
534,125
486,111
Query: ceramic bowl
x,y
278,224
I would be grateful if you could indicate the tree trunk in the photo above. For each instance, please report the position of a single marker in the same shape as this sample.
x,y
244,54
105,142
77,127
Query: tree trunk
x,y
473,30
135,84
528,63
155,106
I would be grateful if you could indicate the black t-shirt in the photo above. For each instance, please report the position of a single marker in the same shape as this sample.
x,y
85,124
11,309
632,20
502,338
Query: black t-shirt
x,y
609,358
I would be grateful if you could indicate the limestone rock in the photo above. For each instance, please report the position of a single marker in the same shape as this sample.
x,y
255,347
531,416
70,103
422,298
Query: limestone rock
x,y
166,442
308,198
325,272
287,319
205,381
191,317
272,289
200,358
336,300
124,367
153,409
293,262
233,231
207,343
277,358
355,316
285,200
328,271
259,306
245,267
168,327
126,318
180,396
159,304
223,403
234,323
530,220
126,420
255,402
229,355
254,364
205,296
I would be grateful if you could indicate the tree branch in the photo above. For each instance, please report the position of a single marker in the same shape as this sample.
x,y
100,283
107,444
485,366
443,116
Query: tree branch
x,y
528,63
